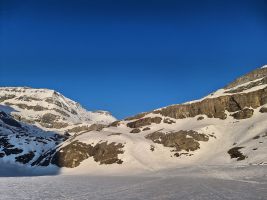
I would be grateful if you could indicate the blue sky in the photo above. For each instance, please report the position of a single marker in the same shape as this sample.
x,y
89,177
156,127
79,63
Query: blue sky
x,y
130,56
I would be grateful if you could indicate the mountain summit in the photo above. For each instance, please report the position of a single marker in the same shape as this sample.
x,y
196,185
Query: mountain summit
x,y
42,129
49,109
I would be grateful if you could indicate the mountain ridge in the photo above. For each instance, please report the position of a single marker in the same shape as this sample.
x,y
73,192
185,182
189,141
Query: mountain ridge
x,y
226,127
45,101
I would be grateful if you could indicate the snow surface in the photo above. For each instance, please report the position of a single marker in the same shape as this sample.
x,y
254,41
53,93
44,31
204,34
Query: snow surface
x,y
190,183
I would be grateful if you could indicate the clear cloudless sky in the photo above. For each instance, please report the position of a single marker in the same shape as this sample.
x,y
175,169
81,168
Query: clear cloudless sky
x,y
130,56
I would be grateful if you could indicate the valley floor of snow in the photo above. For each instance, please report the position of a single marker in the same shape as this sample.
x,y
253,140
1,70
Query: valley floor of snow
x,y
190,183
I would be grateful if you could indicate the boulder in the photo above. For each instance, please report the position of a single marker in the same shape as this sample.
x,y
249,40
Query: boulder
x,y
235,153
136,130
243,114
263,110
168,121
200,118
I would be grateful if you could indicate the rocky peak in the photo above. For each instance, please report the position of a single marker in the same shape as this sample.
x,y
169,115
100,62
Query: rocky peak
x,y
251,76
49,108
236,100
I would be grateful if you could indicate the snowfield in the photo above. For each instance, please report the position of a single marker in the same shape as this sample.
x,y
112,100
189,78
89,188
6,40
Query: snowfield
x,y
190,183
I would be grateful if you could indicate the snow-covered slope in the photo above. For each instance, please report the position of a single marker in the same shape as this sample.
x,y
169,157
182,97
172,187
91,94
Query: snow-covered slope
x,y
49,109
226,127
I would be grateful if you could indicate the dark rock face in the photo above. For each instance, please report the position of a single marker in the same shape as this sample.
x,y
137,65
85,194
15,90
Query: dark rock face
x,y
135,130
26,158
9,151
49,120
216,107
44,159
181,140
8,148
243,114
6,97
235,153
112,134
4,143
107,153
27,98
146,129
256,137
73,112
61,112
256,74
55,102
72,155
263,110
144,122
24,106
8,120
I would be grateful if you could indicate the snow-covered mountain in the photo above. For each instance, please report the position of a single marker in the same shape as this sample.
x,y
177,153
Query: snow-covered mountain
x,y
225,127
49,109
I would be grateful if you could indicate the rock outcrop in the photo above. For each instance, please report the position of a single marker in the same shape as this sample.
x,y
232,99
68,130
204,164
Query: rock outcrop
x,y
248,86
9,120
216,107
256,74
181,140
86,128
263,110
144,122
73,154
243,114
235,153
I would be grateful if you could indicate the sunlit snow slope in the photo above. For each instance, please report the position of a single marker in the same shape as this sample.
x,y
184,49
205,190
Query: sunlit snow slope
x,y
226,127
